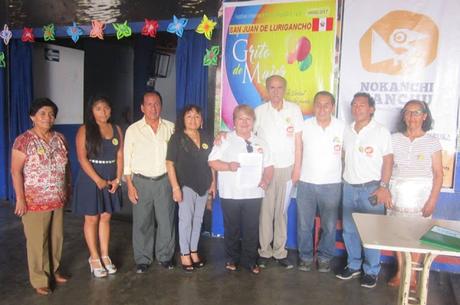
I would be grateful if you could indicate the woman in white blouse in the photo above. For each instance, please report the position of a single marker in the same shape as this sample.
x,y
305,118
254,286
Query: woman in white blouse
x,y
244,169
417,171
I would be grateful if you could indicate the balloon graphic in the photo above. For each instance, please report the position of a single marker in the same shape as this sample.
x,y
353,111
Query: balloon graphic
x,y
303,48
290,57
291,42
306,63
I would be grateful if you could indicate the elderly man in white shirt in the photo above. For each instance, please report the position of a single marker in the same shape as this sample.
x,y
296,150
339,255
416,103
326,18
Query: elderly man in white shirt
x,y
149,190
279,123
368,167
320,185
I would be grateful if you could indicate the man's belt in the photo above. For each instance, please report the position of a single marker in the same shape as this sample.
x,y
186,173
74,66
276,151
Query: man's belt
x,y
156,178
370,183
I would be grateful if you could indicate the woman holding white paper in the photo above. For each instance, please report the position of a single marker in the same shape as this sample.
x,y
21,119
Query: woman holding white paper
x,y
417,170
245,169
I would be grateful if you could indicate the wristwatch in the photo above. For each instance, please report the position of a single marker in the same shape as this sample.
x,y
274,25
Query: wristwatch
x,y
383,184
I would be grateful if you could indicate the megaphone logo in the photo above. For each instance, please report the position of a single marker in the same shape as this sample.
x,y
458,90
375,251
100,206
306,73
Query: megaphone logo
x,y
401,42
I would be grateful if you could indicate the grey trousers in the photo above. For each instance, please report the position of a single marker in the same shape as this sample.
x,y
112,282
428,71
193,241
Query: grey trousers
x,y
273,221
191,210
153,221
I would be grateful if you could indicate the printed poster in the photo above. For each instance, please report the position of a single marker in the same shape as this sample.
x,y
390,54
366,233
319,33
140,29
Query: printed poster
x,y
402,50
293,39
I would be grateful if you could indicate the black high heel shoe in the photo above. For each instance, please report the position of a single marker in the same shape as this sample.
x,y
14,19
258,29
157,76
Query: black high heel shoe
x,y
185,267
200,263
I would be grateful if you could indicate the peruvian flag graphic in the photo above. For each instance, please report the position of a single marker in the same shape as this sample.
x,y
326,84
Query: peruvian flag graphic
x,y
322,24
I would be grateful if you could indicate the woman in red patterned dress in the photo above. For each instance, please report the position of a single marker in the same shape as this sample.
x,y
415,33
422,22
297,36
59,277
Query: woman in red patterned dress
x,y
40,172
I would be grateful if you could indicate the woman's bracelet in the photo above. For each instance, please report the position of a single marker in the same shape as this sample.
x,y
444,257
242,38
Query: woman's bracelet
x,y
117,181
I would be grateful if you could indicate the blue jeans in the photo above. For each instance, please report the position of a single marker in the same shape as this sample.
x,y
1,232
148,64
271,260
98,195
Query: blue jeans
x,y
355,199
325,198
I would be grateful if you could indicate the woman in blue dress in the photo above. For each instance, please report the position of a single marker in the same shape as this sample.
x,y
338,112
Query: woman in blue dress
x,y
97,194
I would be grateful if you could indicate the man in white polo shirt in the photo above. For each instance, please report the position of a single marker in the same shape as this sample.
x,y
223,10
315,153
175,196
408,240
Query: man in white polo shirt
x,y
368,166
279,123
320,184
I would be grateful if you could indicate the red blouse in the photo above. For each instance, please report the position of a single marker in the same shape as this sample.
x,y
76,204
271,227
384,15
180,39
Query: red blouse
x,y
44,172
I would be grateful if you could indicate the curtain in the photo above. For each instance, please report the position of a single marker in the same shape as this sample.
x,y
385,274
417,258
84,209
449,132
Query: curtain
x,y
4,147
20,92
191,75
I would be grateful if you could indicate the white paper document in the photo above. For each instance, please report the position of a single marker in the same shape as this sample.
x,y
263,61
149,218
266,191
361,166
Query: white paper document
x,y
250,172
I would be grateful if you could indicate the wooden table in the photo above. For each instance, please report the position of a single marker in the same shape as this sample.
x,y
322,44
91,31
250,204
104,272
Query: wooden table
x,y
403,234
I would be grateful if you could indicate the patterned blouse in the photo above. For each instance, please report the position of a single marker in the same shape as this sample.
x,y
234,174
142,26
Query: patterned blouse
x,y
44,170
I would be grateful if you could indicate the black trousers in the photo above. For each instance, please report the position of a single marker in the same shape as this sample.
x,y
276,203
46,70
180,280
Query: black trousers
x,y
241,230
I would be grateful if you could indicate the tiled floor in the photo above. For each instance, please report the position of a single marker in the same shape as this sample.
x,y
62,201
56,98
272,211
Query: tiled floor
x,y
211,285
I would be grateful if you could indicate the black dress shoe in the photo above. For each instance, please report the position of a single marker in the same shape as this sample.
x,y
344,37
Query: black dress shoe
x,y
142,268
263,262
167,265
285,263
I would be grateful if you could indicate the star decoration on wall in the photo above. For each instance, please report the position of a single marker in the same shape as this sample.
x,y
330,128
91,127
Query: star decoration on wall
x,y
206,27
28,35
97,29
74,32
177,26
6,34
2,60
211,56
150,28
48,32
123,29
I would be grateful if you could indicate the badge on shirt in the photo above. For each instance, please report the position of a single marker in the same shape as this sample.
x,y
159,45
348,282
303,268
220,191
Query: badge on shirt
x,y
204,146
337,145
369,150
41,150
420,157
258,148
337,148
115,141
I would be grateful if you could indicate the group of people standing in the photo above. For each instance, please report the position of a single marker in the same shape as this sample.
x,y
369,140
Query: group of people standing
x,y
152,151
41,179
397,174
254,166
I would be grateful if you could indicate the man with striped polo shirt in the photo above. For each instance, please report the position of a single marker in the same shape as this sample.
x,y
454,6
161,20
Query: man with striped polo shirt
x,y
368,166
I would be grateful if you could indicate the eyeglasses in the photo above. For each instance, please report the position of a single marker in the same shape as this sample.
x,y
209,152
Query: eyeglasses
x,y
414,113
249,147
